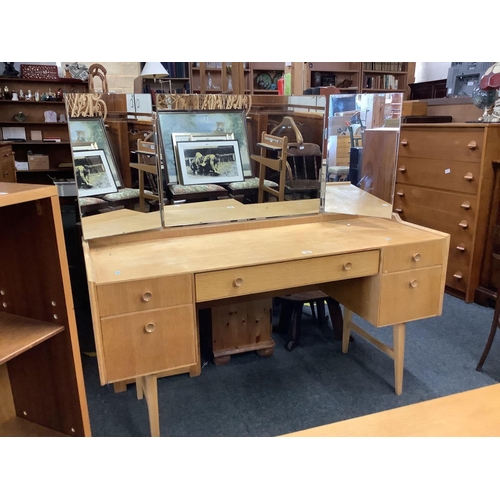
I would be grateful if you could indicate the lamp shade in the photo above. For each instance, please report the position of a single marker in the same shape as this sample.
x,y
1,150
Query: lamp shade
x,y
154,70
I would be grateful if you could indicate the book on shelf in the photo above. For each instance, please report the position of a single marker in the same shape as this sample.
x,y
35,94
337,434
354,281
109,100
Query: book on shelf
x,y
51,139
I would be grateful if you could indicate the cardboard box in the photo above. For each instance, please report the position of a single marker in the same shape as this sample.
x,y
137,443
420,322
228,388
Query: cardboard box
x,y
414,108
38,162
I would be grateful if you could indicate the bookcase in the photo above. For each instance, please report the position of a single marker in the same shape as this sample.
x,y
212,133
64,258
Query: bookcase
x,y
41,136
178,81
263,77
42,391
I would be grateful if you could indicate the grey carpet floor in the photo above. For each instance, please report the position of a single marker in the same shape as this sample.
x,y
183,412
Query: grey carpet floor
x,y
315,384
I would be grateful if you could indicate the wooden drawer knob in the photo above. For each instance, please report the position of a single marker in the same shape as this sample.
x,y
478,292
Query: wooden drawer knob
x,y
347,266
402,169
469,176
416,257
400,193
147,296
414,283
150,328
404,142
466,205
472,145
461,247
458,275
463,223
238,282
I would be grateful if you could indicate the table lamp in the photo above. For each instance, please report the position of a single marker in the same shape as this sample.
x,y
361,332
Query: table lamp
x,y
156,71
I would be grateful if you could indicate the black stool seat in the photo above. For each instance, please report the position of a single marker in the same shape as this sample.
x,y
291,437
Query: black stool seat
x,y
291,314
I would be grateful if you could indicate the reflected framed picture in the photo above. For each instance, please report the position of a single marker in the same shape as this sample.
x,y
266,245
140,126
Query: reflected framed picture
x,y
93,173
198,123
90,134
206,162
183,137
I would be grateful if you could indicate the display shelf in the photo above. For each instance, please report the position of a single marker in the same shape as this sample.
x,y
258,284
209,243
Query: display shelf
x,y
16,427
18,334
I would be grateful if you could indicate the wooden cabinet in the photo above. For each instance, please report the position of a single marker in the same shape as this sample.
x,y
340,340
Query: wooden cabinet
x,y
344,75
445,181
7,169
42,391
144,327
39,131
263,77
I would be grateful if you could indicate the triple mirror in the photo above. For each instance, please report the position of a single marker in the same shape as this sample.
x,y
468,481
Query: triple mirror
x,y
182,155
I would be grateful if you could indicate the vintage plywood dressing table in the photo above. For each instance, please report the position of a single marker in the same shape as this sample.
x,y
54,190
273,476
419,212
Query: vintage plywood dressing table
x,y
145,287
149,275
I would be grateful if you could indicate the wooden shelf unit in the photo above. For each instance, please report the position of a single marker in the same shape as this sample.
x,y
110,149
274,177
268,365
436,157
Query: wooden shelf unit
x,y
380,74
58,152
273,69
41,380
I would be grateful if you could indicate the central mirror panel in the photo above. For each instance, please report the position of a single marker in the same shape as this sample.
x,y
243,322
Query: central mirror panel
x,y
212,158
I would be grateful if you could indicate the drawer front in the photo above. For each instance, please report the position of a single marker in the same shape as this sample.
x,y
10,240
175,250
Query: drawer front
x,y
410,295
462,205
457,226
282,275
155,293
461,144
148,342
460,176
413,256
457,275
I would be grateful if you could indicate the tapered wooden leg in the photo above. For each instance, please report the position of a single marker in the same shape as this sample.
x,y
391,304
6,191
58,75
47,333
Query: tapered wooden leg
x,y
399,355
151,392
139,388
346,332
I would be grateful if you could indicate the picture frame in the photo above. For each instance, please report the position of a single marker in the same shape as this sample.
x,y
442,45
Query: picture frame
x,y
206,162
201,122
89,133
183,137
93,174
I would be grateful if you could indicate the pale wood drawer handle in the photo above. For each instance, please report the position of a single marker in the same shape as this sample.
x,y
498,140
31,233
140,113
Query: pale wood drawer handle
x,y
404,142
398,210
400,193
150,328
466,205
416,257
347,266
458,275
463,223
238,282
469,176
472,145
147,296
402,169
461,247
414,283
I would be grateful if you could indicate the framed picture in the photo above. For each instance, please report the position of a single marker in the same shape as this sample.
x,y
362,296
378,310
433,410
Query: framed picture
x,y
182,137
93,174
201,123
90,134
202,162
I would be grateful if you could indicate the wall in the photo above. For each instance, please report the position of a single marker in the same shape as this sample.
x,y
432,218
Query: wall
x,y
429,71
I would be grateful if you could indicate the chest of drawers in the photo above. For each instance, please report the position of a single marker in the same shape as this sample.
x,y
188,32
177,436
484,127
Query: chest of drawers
x,y
7,169
444,181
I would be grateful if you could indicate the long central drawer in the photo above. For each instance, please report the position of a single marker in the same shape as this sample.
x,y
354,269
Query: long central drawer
x,y
216,285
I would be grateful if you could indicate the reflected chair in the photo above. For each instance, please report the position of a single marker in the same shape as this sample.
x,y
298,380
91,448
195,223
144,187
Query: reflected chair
x,y
273,154
303,169
494,325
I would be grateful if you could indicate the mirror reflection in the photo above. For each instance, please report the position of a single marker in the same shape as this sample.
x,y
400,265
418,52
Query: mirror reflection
x,y
267,150
362,144
112,197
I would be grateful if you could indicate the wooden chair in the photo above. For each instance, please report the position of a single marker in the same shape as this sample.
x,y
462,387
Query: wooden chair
x,y
494,325
277,146
99,71
304,170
